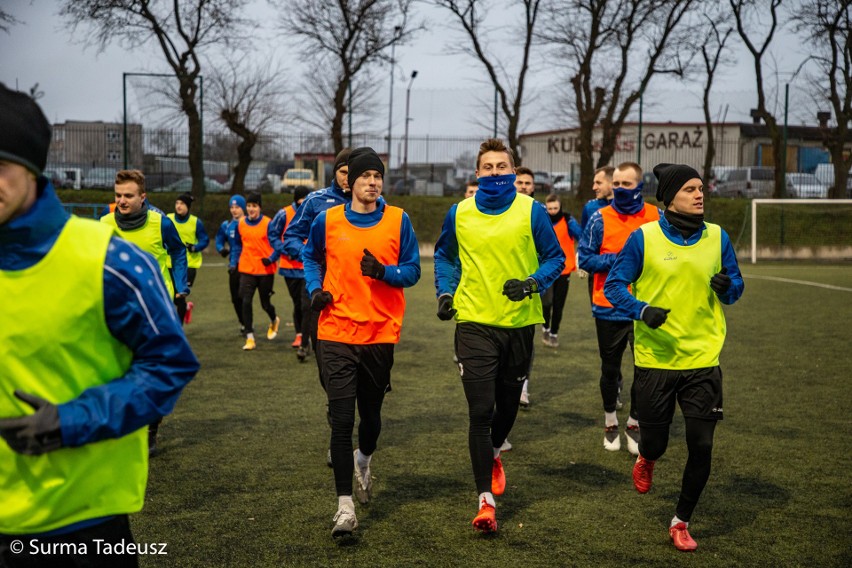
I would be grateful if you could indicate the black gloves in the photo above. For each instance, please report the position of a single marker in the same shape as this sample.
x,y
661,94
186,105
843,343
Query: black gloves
x,y
445,307
224,252
654,317
517,290
370,266
320,299
721,281
35,434
265,261
232,269
190,248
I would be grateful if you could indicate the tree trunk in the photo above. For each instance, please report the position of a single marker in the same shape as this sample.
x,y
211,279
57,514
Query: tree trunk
x,y
512,139
710,153
339,114
587,165
775,134
841,171
244,159
188,90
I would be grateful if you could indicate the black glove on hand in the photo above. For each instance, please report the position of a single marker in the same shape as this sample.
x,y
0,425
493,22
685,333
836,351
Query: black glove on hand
x,y
190,248
721,281
517,290
445,307
232,269
265,261
370,266
320,299
35,434
654,317
224,252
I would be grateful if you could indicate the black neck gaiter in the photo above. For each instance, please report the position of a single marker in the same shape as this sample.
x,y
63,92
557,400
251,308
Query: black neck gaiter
x,y
686,224
132,221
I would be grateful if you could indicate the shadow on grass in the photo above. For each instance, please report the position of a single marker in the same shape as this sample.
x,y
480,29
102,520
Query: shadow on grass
x,y
585,474
751,496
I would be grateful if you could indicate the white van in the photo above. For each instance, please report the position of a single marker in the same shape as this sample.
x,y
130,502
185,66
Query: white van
x,y
825,174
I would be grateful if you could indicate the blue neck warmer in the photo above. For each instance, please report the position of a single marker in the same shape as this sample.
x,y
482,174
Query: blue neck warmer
x,y
495,192
628,201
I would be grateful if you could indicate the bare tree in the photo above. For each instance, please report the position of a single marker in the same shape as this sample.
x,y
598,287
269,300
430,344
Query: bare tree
x,y
469,15
248,100
182,29
745,13
613,48
712,45
827,25
348,37
7,20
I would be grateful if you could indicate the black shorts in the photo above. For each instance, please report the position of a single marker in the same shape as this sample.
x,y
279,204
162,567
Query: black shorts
x,y
355,370
698,391
488,353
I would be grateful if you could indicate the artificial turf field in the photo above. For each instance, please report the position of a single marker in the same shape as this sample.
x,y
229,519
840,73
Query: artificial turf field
x,y
241,479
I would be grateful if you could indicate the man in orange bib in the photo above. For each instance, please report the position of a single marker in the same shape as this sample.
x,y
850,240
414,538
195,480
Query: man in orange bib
x,y
257,268
358,258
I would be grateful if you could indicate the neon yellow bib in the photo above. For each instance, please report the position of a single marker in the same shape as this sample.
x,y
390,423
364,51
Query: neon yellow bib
x,y
149,238
678,278
493,249
187,234
54,343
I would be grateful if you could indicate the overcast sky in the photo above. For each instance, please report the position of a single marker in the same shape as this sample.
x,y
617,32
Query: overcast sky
x,y
79,83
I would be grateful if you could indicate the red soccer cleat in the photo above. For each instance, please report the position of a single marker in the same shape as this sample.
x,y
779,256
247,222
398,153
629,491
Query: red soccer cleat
x,y
681,539
486,520
643,474
297,342
498,477
188,317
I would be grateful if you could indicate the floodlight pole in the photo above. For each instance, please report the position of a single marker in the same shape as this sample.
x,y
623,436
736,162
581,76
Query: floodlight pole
x,y
405,155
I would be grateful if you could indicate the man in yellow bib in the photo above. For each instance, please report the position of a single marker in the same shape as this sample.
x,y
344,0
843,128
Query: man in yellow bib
x,y
682,270
195,239
358,258
507,250
91,351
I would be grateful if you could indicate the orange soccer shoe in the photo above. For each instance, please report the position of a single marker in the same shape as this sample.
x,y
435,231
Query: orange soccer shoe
x,y
297,342
643,474
486,519
681,539
498,477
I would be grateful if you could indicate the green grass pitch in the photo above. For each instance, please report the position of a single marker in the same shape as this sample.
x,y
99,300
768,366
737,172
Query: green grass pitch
x,y
242,482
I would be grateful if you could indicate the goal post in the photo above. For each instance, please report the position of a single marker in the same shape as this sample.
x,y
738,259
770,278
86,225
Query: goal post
x,y
818,229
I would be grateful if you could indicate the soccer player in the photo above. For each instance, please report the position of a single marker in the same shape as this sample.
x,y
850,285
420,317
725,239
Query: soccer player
x,y
293,272
553,301
153,232
682,270
602,241
229,247
358,259
602,185
470,188
256,265
194,237
525,181
92,352
508,251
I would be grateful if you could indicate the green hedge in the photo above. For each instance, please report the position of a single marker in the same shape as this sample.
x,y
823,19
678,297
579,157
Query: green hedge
x,y
426,213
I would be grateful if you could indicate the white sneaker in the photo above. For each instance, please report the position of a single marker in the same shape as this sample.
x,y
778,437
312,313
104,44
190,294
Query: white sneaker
x,y
632,435
507,445
525,399
363,482
345,522
612,441
545,338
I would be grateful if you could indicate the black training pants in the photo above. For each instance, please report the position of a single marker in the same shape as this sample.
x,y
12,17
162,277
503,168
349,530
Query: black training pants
x,y
354,375
295,287
553,302
613,337
493,364
180,303
234,285
263,284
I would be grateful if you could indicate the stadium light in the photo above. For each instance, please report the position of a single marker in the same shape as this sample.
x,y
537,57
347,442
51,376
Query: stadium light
x,y
405,156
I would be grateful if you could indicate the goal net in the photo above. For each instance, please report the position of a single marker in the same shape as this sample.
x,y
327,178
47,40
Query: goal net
x,y
801,229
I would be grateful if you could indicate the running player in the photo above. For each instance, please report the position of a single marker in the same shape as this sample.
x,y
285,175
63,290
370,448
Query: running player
x,y
229,247
194,237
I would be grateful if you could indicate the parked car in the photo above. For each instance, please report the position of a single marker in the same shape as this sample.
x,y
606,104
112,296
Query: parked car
x,y
100,178
185,186
55,176
825,174
563,184
542,183
748,182
718,176
805,186
298,177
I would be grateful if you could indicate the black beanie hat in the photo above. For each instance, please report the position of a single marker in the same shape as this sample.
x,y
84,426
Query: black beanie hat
x,y
341,159
186,198
253,197
24,130
671,178
300,192
361,160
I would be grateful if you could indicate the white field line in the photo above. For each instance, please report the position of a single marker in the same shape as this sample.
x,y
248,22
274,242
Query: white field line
x,y
802,282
